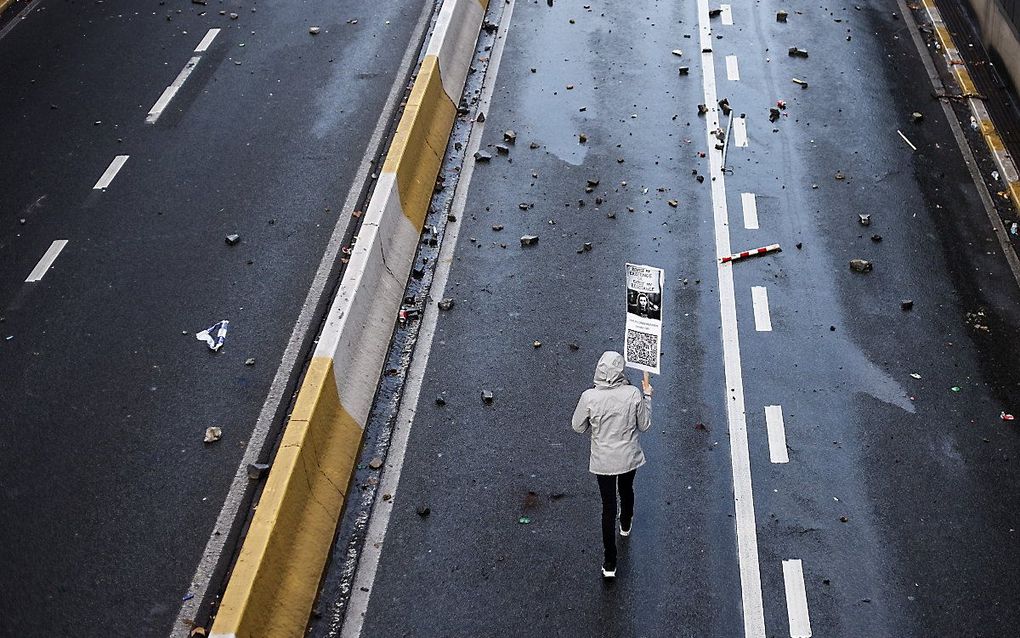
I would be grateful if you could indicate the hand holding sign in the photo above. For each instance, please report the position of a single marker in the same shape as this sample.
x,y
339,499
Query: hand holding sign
x,y
646,386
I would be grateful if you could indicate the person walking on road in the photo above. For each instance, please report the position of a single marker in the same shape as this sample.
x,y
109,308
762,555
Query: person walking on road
x,y
616,412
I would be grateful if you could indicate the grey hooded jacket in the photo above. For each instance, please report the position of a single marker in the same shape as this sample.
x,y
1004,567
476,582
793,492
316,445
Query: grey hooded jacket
x,y
615,411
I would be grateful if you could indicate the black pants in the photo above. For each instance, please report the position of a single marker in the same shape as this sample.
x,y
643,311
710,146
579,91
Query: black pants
x,y
607,487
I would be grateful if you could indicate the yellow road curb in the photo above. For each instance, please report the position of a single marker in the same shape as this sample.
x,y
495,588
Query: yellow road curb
x,y
4,4
273,585
1007,167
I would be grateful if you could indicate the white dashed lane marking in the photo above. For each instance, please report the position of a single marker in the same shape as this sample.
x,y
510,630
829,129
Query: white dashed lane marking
x,y
207,40
760,300
740,131
732,71
726,13
111,172
796,599
47,260
749,203
777,434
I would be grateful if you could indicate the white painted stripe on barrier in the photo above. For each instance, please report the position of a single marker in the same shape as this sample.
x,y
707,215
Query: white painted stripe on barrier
x,y
732,70
740,131
207,40
47,260
375,537
796,599
740,458
361,318
749,203
726,13
453,42
777,434
170,91
760,301
111,172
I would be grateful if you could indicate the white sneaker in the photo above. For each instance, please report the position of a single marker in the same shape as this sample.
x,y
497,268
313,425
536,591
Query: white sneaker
x,y
608,571
626,532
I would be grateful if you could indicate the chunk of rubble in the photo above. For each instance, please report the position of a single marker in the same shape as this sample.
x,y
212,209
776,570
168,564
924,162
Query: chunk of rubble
x,y
797,52
860,265
529,240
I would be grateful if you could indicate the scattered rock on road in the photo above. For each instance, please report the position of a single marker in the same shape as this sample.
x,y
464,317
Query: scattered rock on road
x,y
860,265
257,470
487,397
232,240
445,304
314,30
375,463
212,434
529,240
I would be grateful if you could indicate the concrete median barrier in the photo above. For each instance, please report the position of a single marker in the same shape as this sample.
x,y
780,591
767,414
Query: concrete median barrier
x,y
273,585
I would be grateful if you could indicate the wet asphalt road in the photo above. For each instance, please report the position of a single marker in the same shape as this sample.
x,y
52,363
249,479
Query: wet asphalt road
x,y
107,492
900,497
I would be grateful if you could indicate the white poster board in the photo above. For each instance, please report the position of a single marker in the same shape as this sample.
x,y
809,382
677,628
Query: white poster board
x,y
644,317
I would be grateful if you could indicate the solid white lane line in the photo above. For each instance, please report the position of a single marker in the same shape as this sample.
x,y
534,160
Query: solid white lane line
x,y
750,205
740,131
207,40
47,260
307,320
726,15
732,71
111,172
760,301
740,458
777,434
170,91
368,562
796,599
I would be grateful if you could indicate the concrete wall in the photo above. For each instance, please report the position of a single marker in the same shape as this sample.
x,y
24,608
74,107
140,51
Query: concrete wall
x,y
1000,33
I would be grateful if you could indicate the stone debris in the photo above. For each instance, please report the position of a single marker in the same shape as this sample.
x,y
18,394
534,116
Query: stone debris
x,y
440,401
573,347
375,463
423,511
482,156
582,138
907,304
446,304
702,109
585,248
487,397
529,240
796,52
314,30
502,149
232,240
536,344
480,117
865,220
916,117
678,53
257,470
212,434
781,16
860,265
510,137
684,70
724,104
524,205
839,176
497,227
534,145
800,83
673,203
774,114
250,361
592,183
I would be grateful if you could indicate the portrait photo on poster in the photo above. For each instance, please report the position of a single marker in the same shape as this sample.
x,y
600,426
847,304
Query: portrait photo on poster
x,y
644,317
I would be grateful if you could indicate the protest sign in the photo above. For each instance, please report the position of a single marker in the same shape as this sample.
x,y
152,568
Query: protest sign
x,y
644,317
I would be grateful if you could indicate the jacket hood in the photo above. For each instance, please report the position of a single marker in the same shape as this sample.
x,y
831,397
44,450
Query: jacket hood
x,y
609,371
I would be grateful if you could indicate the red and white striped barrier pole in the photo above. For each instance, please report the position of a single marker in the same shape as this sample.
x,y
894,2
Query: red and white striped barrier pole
x,y
753,253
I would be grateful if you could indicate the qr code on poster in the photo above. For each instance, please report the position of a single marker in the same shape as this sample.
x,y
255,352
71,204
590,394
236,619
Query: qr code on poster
x,y
642,348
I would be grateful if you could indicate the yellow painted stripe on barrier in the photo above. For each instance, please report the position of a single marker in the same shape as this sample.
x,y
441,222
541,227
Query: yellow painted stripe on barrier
x,y
928,4
945,39
1014,194
275,580
967,86
420,141
993,140
484,3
